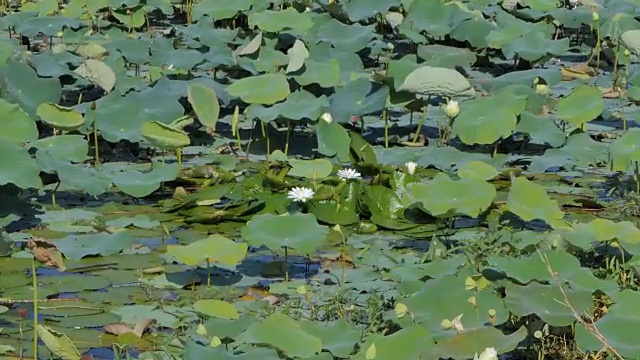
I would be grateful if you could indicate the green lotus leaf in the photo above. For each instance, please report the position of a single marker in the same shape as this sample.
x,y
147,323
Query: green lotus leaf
x,y
333,140
297,56
579,151
437,81
141,184
276,21
216,308
216,248
326,74
617,326
60,117
429,311
21,85
534,45
469,196
300,232
433,17
466,345
530,201
204,101
264,89
446,56
218,11
91,50
65,147
132,17
17,166
16,125
282,332
407,343
163,136
331,212
547,301
475,31
75,247
477,170
625,151
584,104
631,40
98,73
311,169
343,37
540,130
486,120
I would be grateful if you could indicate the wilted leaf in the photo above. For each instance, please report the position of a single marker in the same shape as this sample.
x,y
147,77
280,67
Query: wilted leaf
x,y
46,252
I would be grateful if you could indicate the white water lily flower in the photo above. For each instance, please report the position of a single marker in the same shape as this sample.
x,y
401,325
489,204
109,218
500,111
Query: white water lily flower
x,y
488,354
452,109
301,194
346,174
327,118
411,167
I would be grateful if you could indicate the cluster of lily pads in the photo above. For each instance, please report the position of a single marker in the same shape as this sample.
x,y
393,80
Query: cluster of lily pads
x,y
321,179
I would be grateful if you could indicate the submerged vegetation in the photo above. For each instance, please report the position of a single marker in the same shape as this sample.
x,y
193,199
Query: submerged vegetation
x,y
319,179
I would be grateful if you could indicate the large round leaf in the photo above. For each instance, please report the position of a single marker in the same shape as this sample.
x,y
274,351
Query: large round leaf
x,y
282,332
300,232
216,308
216,248
98,73
584,104
469,196
333,140
486,120
17,167
437,81
60,117
16,125
163,136
311,169
625,151
530,201
264,89
204,101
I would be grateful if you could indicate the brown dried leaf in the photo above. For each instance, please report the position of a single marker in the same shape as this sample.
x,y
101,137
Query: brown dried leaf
x,y
610,93
121,328
578,71
46,252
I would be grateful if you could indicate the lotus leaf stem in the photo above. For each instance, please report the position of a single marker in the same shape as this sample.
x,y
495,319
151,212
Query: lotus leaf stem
x,y
425,110
34,281
265,135
286,145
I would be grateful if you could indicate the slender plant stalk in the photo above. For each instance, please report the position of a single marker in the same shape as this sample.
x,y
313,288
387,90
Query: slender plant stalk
x,y
385,116
265,135
286,264
208,273
179,156
286,146
96,160
425,110
34,280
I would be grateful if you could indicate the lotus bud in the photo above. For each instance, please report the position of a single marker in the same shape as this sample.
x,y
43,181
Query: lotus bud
x,y
489,354
390,46
627,53
446,324
492,316
452,109
456,324
543,89
327,118
595,16
411,167
473,301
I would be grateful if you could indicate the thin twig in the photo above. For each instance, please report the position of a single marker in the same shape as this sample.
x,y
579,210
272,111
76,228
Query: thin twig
x,y
591,325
